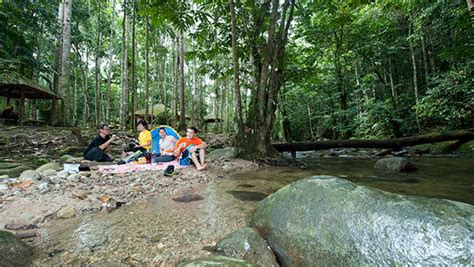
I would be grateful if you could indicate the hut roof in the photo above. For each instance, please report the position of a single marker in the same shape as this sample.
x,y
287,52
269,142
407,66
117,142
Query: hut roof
x,y
11,86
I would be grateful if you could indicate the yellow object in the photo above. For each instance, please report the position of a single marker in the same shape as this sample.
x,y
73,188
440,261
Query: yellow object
x,y
143,139
141,160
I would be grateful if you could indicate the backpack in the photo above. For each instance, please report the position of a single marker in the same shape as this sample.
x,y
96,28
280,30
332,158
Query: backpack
x,y
185,157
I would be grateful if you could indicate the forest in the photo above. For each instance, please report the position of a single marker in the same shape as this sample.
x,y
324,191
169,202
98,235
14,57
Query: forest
x,y
274,71
236,132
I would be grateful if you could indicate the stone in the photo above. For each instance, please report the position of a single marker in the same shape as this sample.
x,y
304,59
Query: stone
x,y
62,174
49,173
43,186
52,165
3,177
396,164
467,148
247,244
14,171
66,213
216,261
29,175
71,159
13,252
91,236
74,178
40,161
4,187
329,221
224,153
56,180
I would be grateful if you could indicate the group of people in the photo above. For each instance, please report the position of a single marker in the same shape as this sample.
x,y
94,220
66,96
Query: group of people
x,y
190,146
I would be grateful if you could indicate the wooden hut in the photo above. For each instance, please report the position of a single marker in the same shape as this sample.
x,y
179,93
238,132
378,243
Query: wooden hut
x,y
21,88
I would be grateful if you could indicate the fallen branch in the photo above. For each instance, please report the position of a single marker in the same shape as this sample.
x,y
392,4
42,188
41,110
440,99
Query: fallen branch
x,y
395,143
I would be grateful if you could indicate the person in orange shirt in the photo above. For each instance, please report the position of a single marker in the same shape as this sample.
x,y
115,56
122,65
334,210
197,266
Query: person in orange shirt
x,y
197,146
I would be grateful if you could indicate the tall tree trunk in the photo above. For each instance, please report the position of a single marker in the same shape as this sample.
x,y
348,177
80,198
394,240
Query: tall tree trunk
x,y
235,53
134,82
229,104
340,82
193,91
310,121
57,64
147,93
415,77
176,83
109,75
124,96
256,142
85,112
217,104
285,122
74,101
224,90
470,4
97,68
182,116
392,86
65,82
425,58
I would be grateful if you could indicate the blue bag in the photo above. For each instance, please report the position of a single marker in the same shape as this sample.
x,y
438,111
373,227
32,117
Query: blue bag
x,y
185,157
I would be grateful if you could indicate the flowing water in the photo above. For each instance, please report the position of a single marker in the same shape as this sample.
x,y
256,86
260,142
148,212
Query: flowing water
x,y
167,229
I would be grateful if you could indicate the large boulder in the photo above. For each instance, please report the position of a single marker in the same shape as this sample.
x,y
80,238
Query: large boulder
x,y
467,148
216,261
52,165
396,164
29,175
247,244
13,252
223,153
325,221
71,159
12,170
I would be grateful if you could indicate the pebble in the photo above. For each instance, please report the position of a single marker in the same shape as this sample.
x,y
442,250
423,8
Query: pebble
x,y
56,180
62,174
3,187
74,178
66,213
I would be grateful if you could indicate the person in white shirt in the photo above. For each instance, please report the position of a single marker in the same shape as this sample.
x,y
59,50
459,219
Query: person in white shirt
x,y
167,143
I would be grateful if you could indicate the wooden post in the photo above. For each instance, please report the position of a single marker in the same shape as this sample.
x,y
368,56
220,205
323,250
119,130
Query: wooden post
x,y
21,108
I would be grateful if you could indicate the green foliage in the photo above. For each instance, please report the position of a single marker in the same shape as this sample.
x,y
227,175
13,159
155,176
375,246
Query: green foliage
x,y
449,99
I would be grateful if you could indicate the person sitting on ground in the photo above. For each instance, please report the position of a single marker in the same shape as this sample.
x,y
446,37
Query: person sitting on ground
x,y
144,139
100,148
196,145
167,144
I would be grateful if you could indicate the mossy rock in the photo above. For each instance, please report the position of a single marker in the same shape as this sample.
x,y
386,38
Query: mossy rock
x,y
467,148
14,172
216,261
13,252
329,221
72,151
71,159
40,161
8,165
435,148
52,165
247,244
223,153
19,137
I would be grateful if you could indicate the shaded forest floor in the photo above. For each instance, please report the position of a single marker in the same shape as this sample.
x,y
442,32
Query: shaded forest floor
x,y
138,218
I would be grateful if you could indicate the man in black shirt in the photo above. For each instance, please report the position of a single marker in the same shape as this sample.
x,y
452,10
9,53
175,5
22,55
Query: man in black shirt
x,y
100,149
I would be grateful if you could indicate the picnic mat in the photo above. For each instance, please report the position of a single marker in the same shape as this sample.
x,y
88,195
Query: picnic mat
x,y
133,167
